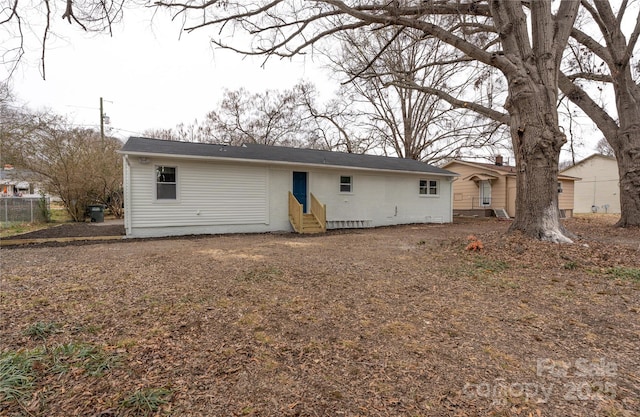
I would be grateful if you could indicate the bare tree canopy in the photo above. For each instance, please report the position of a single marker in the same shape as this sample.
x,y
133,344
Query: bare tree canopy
x,y
410,122
73,164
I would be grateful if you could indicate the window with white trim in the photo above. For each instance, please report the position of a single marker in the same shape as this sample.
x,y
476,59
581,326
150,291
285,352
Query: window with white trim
x,y
166,185
429,187
346,184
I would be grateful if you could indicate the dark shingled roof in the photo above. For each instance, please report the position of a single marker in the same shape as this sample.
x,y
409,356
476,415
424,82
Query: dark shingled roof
x,y
277,154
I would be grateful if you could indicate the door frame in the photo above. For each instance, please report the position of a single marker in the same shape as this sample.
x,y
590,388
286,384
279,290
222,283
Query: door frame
x,y
482,196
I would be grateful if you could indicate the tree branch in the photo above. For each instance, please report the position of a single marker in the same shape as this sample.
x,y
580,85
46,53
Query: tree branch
x,y
591,77
580,98
461,104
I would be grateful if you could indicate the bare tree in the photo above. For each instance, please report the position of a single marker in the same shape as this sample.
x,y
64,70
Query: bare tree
x,y
338,124
73,164
269,118
603,148
610,62
191,132
290,117
528,56
412,123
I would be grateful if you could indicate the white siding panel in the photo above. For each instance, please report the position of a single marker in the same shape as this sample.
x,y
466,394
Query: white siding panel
x,y
599,185
215,197
381,199
207,194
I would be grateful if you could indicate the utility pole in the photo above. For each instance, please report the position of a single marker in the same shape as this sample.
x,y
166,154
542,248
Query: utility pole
x,y
101,123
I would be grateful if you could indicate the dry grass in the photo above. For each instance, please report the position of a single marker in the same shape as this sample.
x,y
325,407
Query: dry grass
x,y
395,321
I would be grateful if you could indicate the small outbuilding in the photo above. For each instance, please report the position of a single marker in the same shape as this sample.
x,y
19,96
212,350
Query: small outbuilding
x,y
598,190
484,188
180,188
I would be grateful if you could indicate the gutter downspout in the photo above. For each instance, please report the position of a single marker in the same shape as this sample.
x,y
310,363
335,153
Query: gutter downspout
x,y
451,180
126,176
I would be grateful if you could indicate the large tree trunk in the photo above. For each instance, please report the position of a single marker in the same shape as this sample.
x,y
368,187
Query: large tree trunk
x,y
626,146
625,141
629,170
537,140
535,53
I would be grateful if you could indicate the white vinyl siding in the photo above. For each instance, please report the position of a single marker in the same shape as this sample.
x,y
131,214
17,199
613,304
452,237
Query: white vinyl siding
x,y
599,185
215,197
209,194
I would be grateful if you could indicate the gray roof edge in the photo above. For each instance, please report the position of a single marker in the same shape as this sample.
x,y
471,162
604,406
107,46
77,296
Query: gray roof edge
x,y
278,154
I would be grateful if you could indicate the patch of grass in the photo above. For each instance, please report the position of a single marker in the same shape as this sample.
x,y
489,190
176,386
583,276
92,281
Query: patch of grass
x,y
42,330
490,265
624,273
59,214
93,359
9,229
146,401
17,376
480,267
88,329
571,265
19,370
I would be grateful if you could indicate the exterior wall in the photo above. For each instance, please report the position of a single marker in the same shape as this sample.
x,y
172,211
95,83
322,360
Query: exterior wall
x,y
381,199
599,185
216,197
511,196
565,198
211,198
466,193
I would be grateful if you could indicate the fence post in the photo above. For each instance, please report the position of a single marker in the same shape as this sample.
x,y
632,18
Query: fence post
x,y
6,212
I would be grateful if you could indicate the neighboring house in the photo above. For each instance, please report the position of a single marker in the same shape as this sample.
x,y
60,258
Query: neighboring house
x,y
13,183
180,188
598,189
483,188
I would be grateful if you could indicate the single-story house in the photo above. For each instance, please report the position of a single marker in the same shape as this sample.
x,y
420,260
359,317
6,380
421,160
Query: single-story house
x,y
598,189
13,183
483,188
180,188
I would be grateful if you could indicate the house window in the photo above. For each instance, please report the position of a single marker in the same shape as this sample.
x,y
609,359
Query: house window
x,y
166,183
559,187
429,187
346,184
485,193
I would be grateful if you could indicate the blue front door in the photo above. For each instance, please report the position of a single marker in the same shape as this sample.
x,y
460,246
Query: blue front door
x,y
300,188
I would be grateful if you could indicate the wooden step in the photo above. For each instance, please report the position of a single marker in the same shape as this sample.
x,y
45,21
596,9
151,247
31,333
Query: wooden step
x,y
310,224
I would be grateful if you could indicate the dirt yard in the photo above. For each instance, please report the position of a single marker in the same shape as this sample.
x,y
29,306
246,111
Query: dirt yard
x,y
399,321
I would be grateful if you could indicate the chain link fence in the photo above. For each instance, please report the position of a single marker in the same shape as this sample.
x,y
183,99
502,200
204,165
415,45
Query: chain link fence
x,y
24,210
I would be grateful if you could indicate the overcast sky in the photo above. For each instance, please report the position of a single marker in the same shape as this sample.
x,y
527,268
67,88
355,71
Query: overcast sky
x,y
148,77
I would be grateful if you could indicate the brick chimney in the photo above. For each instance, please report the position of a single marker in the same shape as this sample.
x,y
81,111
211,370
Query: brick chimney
x,y
499,160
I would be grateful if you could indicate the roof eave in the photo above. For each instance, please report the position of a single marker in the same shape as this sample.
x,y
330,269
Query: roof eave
x,y
283,163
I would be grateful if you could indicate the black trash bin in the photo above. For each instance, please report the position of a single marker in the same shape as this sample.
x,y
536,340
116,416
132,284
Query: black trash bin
x,y
96,213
